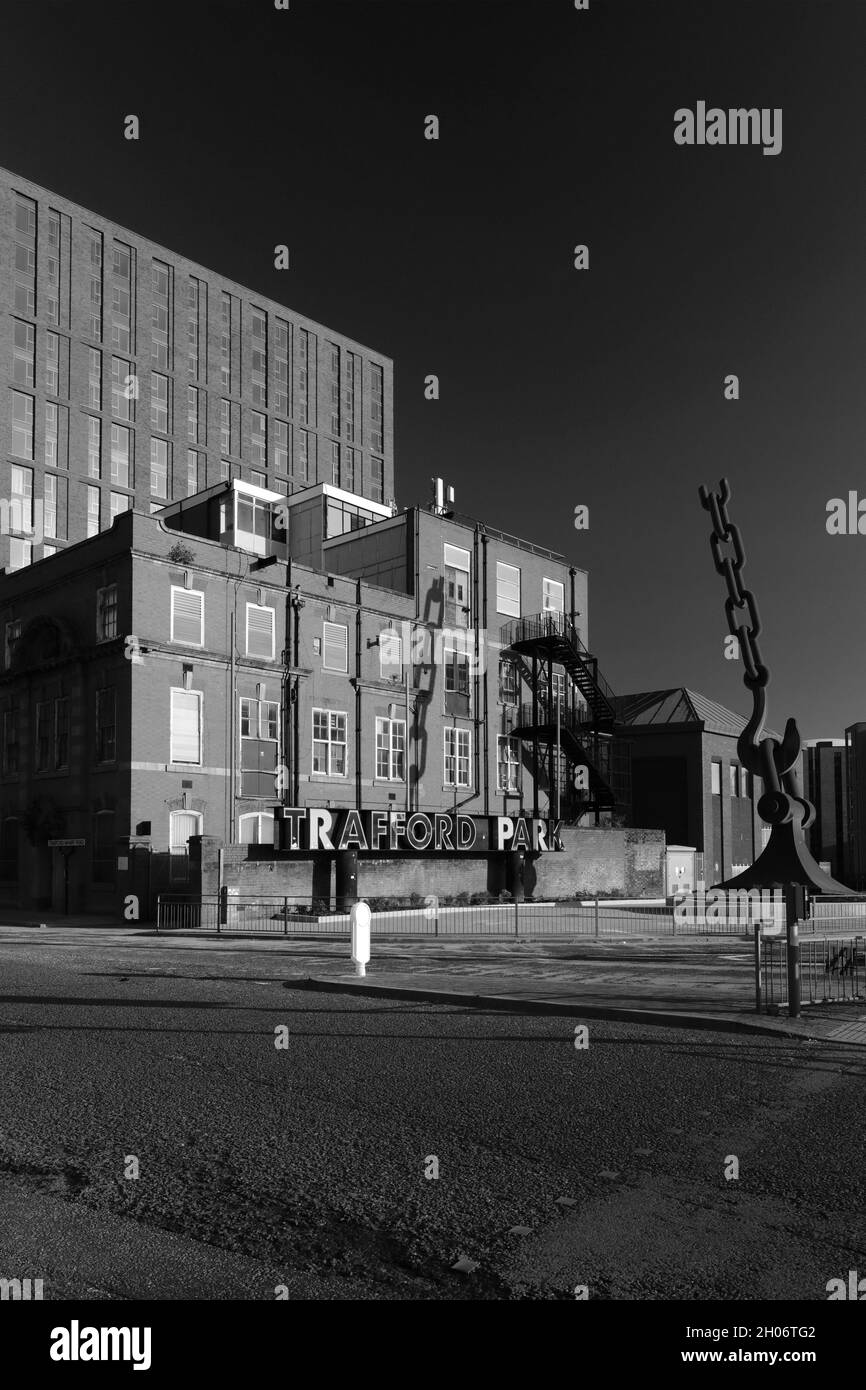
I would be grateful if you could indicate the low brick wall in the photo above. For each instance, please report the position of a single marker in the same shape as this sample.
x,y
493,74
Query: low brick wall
x,y
603,860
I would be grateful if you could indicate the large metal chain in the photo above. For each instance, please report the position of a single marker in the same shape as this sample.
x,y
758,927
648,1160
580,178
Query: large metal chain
x,y
746,628
766,757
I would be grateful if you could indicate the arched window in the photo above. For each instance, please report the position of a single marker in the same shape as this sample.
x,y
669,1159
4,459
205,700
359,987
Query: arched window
x,y
256,828
182,824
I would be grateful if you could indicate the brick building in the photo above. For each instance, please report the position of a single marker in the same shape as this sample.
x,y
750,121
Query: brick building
x,y
825,784
181,673
211,608
135,376
687,779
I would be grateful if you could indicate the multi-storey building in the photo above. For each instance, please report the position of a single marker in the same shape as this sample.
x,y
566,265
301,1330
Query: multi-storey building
x,y
183,674
134,376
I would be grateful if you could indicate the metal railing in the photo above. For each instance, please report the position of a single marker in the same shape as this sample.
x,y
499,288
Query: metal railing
x,y
433,917
832,970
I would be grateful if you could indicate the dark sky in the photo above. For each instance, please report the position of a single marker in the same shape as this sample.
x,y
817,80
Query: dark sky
x,y
558,387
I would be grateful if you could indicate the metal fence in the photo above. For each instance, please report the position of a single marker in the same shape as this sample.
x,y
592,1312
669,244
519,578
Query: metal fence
x,y
430,917
832,969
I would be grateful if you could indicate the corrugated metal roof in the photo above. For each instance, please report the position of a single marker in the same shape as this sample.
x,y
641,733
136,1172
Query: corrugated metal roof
x,y
680,706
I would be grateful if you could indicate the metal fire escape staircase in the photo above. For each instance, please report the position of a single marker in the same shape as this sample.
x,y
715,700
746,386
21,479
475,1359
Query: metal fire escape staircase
x,y
587,715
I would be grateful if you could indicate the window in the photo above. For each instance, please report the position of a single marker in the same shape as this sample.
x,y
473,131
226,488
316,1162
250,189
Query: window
x,y
10,743
20,553
377,415
185,727
509,684
390,656
716,778
456,663
122,388
181,825
92,511
342,517
553,596
159,467
260,736
25,256
507,589
347,395
192,472
391,749
281,446
95,242
335,647
196,305
61,733
329,743
159,336
49,505
256,828
120,455
24,352
159,415
348,469
52,366
121,295
260,631
456,757
253,525
225,427
106,725
42,753
21,502
192,414
281,367
94,447
95,378
335,464
734,775
307,349
377,480
51,434
259,358
304,455
187,616
457,570
226,341
507,763
258,439
118,502
22,425
13,632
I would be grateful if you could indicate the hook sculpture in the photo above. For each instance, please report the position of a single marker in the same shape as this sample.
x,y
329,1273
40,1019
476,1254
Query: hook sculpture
x,y
785,858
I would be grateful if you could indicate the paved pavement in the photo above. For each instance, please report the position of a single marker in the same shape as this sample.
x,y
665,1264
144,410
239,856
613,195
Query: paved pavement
x,y
307,1166
688,981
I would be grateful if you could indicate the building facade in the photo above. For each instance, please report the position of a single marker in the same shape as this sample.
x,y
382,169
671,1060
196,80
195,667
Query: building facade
x,y
825,784
182,675
688,781
134,376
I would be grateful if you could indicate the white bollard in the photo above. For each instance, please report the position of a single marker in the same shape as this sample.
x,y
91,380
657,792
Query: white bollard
x,y
360,920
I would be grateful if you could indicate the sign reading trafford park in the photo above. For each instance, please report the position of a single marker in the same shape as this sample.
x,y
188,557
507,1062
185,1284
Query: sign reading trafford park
x,y
311,828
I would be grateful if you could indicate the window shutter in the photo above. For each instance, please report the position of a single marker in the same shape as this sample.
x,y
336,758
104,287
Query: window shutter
x,y
260,632
187,617
185,726
335,654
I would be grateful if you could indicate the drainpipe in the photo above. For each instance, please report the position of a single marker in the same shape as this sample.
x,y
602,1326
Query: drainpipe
x,y
476,683
232,714
487,673
358,711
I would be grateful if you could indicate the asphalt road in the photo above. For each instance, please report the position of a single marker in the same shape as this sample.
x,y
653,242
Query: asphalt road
x,y
304,1166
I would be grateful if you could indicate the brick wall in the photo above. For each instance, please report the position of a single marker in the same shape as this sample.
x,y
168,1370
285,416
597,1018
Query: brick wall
x,y
598,860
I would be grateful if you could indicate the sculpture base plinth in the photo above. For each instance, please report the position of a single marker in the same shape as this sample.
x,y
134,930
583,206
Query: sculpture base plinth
x,y
786,859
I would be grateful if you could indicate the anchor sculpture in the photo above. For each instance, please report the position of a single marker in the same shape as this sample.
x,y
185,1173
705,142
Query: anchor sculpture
x,y
785,859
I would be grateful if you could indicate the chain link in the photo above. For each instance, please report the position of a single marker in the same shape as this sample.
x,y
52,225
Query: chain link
x,y
747,628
